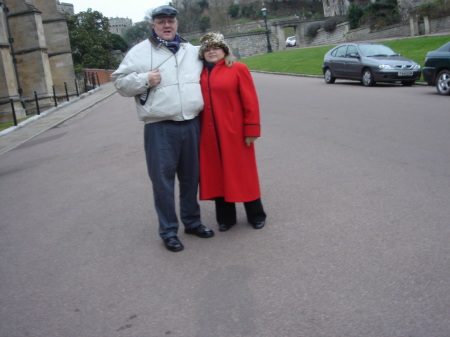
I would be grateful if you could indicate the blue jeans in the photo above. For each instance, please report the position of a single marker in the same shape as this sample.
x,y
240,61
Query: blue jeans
x,y
171,150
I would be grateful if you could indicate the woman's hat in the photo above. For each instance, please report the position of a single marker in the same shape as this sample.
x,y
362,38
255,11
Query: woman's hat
x,y
164,12
213,40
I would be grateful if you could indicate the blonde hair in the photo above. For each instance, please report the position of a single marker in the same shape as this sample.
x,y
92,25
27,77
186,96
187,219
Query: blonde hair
x,y
229,60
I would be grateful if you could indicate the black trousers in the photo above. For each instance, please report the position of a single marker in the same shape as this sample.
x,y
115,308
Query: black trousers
x,y
226,211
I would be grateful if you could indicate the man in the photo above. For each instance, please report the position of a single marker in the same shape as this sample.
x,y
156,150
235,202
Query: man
x,y
163,74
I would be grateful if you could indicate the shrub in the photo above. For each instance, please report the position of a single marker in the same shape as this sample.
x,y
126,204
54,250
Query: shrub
x,y
250,11
330,24
379,14
433,10
233,11
204,23
312,29
354,15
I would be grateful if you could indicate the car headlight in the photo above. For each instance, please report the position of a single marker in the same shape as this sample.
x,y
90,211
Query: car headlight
x,y
417,67
386,67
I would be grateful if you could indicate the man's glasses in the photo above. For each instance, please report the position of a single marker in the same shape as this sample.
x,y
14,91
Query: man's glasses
x,y
165,22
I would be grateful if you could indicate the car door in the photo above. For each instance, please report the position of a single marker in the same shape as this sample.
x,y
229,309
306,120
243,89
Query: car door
x,y
353,65
337,61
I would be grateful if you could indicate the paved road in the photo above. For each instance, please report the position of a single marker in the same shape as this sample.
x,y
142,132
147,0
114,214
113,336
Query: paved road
x,y
356,184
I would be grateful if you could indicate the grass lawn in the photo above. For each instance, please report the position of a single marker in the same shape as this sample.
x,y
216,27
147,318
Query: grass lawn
x,y
309,60
6,125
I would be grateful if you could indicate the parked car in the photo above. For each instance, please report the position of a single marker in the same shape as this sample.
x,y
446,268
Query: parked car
x,y
291,41
436,69
369,63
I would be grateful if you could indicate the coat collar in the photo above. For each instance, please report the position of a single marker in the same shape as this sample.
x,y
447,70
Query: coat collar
x,y
158,44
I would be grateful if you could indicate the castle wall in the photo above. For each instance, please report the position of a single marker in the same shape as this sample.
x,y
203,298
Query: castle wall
x,y
9,87
33,66
58,47
42,52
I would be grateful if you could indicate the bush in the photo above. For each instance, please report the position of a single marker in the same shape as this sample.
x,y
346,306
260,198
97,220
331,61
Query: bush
x,y
204,23
354,15
330,24
250,11
233,11
433,10
380,14
312,29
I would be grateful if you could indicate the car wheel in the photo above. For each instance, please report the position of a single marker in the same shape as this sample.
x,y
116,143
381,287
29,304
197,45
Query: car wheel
x,y
367,78
408,83
329,78
443,82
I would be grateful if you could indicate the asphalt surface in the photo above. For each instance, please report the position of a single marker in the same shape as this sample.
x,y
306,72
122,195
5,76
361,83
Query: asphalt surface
x,y
34,126
355,182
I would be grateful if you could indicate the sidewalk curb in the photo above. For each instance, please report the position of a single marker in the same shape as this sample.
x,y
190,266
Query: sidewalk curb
x,y
11,141
50,111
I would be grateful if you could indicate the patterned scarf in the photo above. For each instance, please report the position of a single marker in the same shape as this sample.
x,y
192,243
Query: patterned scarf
x,y
172,45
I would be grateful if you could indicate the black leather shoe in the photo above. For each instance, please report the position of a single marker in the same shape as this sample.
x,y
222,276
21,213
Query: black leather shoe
x,y
173,244
201,231
224,228
258,224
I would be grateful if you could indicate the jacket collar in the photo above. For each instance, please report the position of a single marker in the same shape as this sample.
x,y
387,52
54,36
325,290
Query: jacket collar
x,y
157,44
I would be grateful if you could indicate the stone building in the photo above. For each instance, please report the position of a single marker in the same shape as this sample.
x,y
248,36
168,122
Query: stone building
x,y
64,7
35,56
405,6
339,7
119,25
335,7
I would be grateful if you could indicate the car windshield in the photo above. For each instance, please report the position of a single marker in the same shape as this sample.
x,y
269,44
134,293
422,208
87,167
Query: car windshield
x,y
445,47
374,50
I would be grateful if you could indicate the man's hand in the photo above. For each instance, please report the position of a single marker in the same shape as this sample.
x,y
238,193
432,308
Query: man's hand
x,y
249,140
154,78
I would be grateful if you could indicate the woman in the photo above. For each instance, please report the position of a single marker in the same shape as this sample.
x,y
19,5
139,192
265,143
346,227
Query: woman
x,y
229,126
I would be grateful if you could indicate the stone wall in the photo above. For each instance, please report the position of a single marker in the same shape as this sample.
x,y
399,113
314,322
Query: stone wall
x,y
439,25
402,30
9,86
405,6
233,29
251,44
335,7
325,38
389,32
42,53
57,42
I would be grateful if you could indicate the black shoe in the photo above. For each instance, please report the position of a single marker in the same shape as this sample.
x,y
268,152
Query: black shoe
x,y
173,244
258,224
201,231
224,228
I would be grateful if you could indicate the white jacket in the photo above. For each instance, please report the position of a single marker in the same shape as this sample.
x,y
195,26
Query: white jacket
x,y
178,96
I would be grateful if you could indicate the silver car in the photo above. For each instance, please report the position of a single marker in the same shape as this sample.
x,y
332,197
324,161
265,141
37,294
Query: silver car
x,y
369,63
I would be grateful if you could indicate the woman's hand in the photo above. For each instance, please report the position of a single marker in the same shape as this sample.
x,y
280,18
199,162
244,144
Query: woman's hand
x,y
249,140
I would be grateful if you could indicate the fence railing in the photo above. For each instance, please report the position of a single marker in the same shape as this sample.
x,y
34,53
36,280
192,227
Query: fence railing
x,y
86,83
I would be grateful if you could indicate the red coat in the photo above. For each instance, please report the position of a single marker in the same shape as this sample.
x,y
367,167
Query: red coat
x,y
231,113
